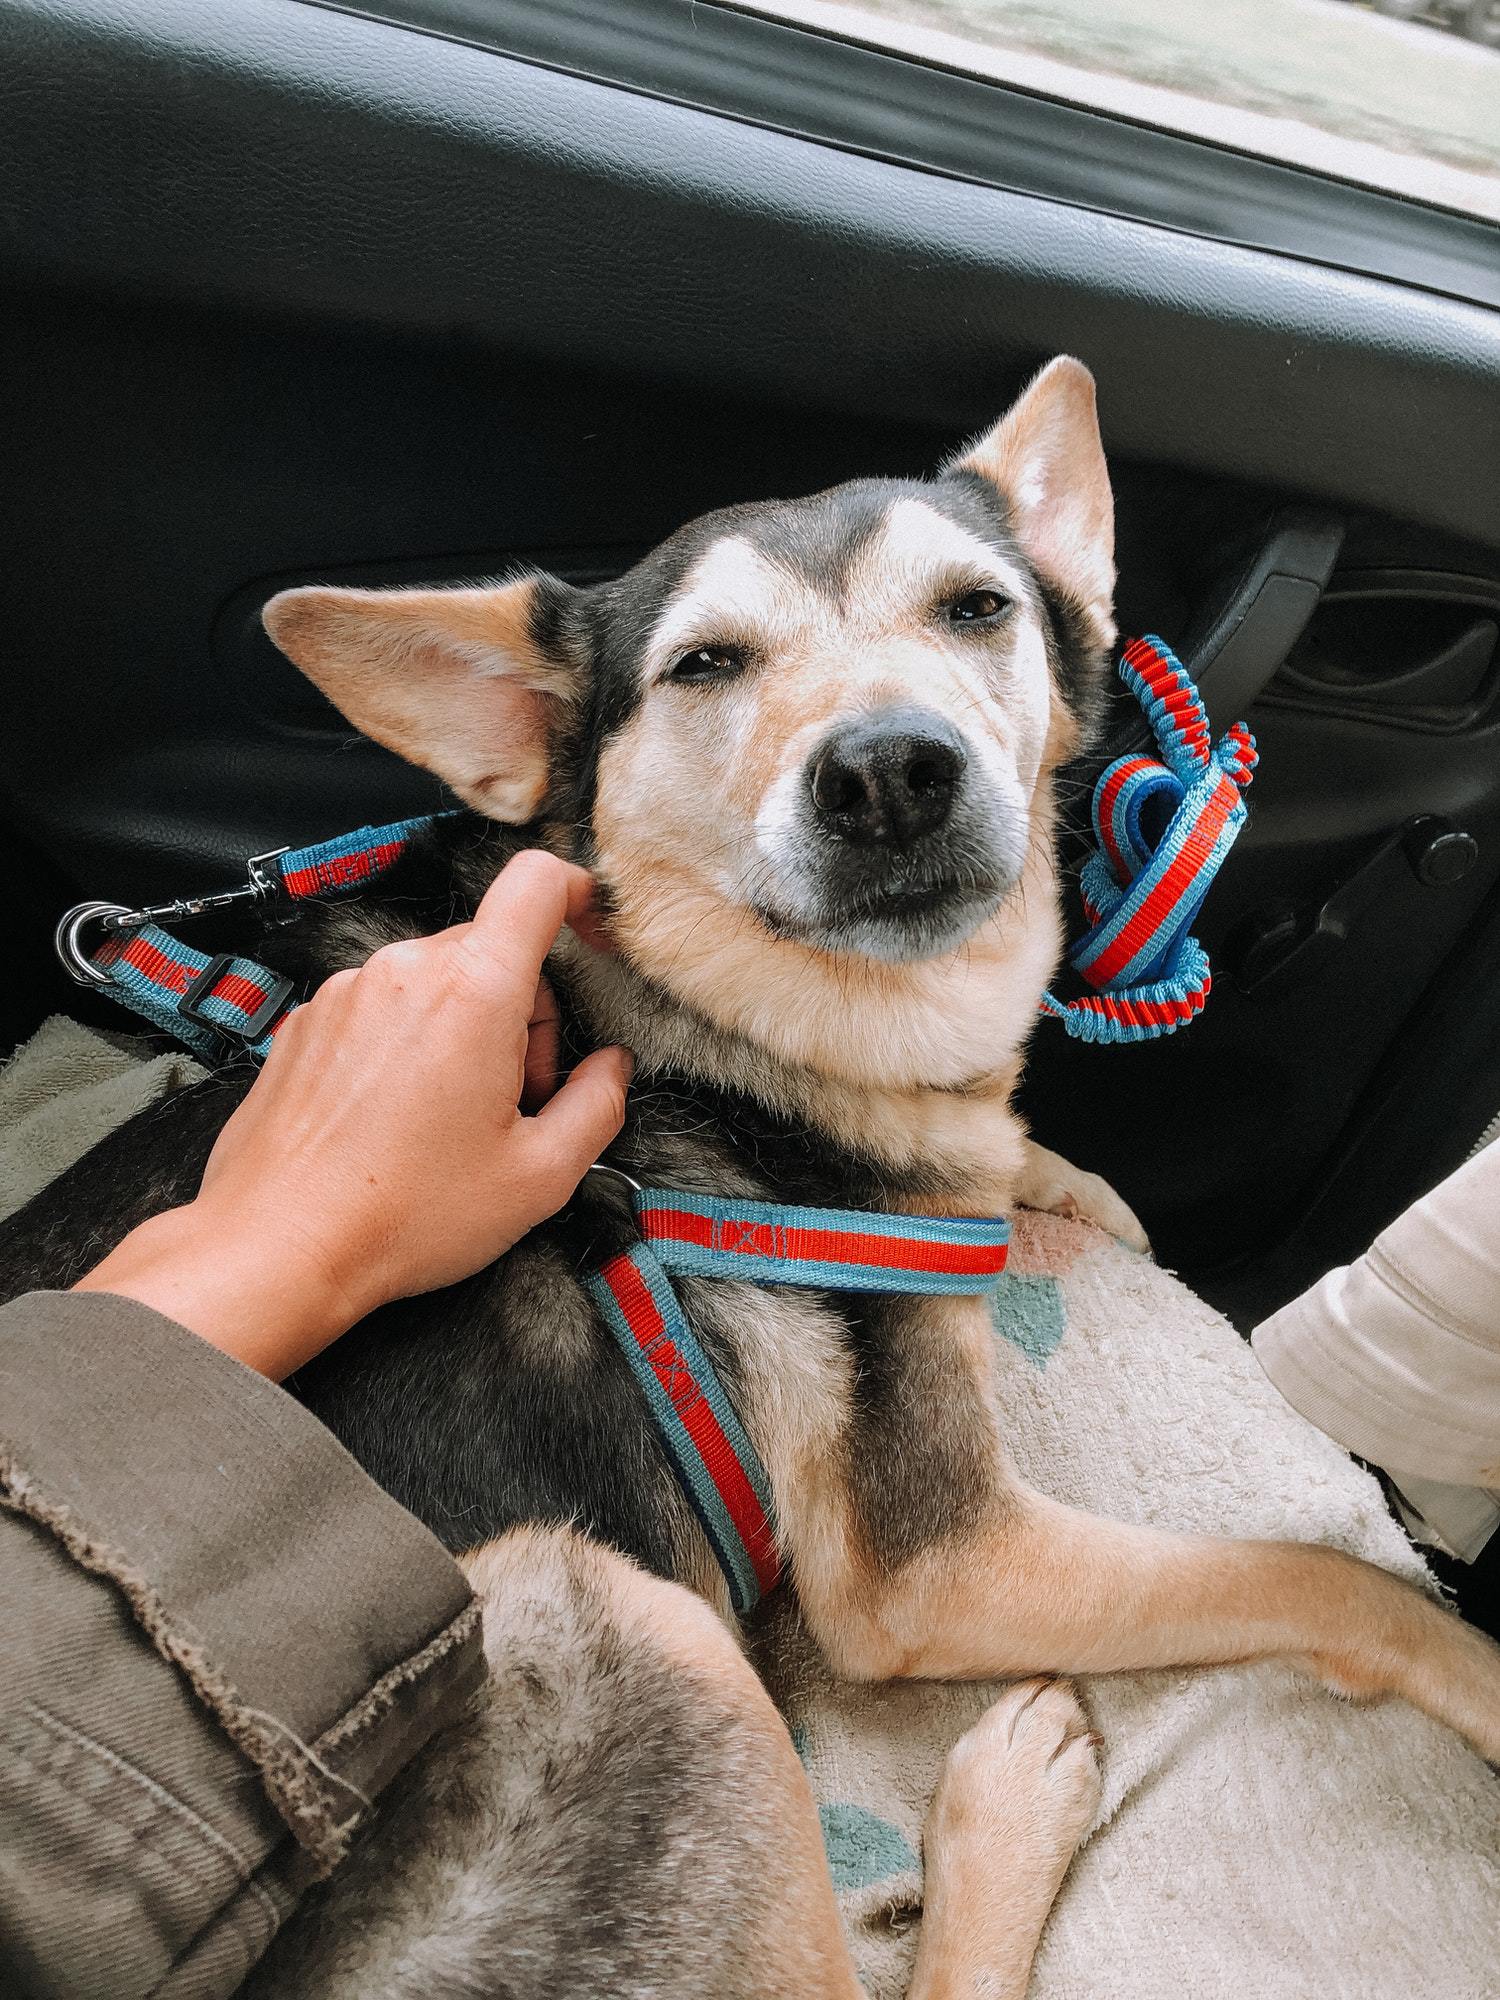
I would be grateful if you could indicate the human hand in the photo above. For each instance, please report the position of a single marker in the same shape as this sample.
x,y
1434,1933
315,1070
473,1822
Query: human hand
x,y
384,1149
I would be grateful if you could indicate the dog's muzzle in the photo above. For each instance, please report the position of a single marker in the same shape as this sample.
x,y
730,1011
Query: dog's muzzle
x,y
901,845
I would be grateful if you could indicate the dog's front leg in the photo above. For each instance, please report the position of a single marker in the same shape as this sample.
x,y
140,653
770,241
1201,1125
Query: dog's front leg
x,y
1055,1186
1041,1588
1018,1792
940,1564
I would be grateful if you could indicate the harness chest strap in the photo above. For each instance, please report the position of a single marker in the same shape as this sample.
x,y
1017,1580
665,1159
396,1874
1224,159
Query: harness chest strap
x,y
764,1243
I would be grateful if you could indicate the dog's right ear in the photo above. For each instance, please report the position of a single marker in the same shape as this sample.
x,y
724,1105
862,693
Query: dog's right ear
x,y
468,683
1047,459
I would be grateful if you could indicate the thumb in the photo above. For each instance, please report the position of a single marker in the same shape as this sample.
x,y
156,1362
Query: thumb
x,y
573,1128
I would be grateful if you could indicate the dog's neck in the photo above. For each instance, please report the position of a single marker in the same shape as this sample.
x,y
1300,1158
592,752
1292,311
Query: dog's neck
x,y
910,1069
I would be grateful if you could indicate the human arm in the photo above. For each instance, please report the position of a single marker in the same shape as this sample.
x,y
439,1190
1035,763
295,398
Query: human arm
x,y
1397,1355
221,1638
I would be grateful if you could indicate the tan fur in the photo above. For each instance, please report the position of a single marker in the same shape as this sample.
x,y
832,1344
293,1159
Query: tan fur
x,y
799,1952
1038,1587
1043,453
1017,1794
449,679
1056,1187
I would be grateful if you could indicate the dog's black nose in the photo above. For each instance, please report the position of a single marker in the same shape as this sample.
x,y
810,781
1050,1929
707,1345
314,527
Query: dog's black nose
x,y
887,778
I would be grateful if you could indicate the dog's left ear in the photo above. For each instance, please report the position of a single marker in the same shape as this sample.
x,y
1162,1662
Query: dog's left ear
x,y
1047,458
471,684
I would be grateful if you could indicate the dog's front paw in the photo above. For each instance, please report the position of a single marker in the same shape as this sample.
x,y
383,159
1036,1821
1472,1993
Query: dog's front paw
x,y
1056,1187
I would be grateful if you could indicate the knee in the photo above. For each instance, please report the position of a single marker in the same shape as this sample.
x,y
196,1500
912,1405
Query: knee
x,y
651,1618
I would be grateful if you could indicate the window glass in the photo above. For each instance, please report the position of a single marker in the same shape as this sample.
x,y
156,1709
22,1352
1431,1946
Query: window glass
x,y
1391,93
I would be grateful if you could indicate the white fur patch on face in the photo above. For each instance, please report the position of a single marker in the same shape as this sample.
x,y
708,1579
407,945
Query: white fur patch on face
x,y
777,820
731,590
1028,702
918,542
998,697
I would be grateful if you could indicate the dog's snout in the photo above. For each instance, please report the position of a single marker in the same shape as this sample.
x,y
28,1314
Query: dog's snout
x,y
888,778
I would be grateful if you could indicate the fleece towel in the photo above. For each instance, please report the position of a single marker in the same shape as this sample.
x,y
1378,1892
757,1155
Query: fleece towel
x,y
1256,1839
63,1090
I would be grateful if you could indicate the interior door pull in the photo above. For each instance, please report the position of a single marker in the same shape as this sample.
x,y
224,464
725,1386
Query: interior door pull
x,y
1238,644
1253,616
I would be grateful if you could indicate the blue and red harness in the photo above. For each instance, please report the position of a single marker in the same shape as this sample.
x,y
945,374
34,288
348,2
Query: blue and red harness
x,y
1163,827
758,1243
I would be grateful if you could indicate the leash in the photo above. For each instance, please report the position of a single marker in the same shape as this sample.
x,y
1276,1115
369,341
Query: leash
x,y
208,1000
761,1243
1144,887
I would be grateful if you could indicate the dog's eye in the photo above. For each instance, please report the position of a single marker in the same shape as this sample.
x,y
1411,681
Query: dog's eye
x,y
978,607
707,663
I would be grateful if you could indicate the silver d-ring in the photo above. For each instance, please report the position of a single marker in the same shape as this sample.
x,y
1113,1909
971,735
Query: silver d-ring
x,y
619,1173
70,951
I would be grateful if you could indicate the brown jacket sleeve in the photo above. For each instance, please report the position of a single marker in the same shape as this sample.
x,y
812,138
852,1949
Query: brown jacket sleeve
x,y
219,1639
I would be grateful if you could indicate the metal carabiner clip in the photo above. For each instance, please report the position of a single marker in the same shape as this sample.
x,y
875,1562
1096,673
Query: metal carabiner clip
x,y
260,886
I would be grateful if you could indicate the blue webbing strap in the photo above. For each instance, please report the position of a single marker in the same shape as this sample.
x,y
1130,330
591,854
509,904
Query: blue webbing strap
x,y
206,1000
762,1243
830,1249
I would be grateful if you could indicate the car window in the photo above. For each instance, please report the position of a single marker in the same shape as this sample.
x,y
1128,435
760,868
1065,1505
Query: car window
x,y
1393,94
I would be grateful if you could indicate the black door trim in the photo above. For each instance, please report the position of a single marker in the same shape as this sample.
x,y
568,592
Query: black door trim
x,y
843,92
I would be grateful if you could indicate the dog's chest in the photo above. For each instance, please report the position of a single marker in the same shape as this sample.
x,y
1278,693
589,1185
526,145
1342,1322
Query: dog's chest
x,y
506,1400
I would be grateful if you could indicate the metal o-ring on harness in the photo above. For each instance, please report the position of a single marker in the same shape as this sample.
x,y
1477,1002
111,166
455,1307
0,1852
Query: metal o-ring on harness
x,y
66,941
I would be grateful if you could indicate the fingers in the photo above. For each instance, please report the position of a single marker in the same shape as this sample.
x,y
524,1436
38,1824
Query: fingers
x,y
506,943
574,1127
523,910
543,1040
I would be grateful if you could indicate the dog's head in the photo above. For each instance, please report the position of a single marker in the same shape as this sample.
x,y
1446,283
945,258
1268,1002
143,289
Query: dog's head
x,y
798,732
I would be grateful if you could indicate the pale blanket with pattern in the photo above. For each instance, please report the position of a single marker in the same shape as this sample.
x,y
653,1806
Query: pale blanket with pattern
x,y
1257,1840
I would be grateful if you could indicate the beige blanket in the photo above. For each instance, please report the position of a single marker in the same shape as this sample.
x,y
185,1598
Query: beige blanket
x,y
63,1090
1257,1841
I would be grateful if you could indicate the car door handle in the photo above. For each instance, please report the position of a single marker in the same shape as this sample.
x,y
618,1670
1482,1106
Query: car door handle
x,y
1240,640
1256,610
1254,614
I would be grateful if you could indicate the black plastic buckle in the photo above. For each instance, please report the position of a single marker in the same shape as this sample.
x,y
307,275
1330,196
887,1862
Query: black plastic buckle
x,y
202,984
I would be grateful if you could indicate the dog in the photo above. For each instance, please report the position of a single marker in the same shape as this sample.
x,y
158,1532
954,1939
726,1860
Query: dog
x,y
810,750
